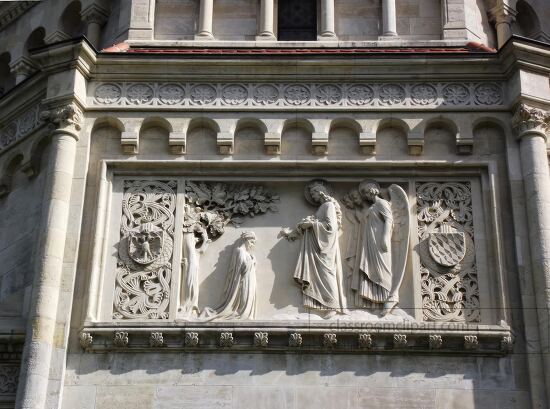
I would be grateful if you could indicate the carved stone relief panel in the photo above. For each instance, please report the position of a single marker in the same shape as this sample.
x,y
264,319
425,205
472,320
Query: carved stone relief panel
x,y
144,272
207,250
448,268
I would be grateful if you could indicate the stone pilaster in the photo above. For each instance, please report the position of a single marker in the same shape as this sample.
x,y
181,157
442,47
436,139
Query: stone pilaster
x,y
64,124
532,126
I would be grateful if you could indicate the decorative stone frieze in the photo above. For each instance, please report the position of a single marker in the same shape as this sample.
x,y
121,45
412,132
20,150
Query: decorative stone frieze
x,y
529,119
446,247
347,96
20,127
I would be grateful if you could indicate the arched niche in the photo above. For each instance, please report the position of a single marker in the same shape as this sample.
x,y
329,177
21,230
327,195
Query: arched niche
x,y
391,137
105,138
489,137
296,138
153,136
35,39
249,137
527,23
440,137
70,21
7,79
343,138
201,137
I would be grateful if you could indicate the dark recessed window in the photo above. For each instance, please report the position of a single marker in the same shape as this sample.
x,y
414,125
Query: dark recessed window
x,y
297,20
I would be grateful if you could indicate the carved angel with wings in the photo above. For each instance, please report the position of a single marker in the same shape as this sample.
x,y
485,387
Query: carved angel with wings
x,y
382,246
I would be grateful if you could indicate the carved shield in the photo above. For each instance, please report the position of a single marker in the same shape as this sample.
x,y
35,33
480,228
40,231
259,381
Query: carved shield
x,y
145,244
447,248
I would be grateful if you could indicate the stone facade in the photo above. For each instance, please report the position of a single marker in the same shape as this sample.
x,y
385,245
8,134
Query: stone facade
x,y
203,216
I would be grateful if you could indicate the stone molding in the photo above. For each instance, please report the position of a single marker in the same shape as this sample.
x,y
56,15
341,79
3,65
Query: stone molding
x,y
360,338
531,120
94,14
349,96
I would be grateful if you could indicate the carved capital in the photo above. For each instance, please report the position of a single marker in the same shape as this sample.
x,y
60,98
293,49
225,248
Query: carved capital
x,y
66,118
94,14
502,13
23,66
528,119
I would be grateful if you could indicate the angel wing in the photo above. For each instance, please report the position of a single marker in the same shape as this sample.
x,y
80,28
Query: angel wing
x,y
400,238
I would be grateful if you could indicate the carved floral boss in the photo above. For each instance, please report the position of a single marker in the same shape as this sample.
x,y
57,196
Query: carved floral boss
x,y
350,95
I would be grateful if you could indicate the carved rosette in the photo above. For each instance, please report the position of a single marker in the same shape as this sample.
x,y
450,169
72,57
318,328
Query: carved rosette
x,y
142,289
156,339
226,340
528,119
365,341
435,341
448,271
330,340
86,340
295,340
399,341
120,339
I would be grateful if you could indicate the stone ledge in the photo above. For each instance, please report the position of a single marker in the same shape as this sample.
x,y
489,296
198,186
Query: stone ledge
x,y
314,337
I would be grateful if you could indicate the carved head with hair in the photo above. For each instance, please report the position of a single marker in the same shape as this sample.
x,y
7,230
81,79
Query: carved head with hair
x,y
369,189
248,238
318,192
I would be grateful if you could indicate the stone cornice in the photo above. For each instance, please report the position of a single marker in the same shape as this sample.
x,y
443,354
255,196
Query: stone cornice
x,y
530,120
358,338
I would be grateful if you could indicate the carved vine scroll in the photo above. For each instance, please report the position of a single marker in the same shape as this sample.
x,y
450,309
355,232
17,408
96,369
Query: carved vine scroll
x,y
446,246
144,271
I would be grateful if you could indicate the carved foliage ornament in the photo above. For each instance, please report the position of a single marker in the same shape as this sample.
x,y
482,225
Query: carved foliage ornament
x,y
145,250
528,118
65,116
446,247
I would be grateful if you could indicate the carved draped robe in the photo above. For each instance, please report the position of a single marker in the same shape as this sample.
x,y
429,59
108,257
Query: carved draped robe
x,y
372,278
319,270
240,288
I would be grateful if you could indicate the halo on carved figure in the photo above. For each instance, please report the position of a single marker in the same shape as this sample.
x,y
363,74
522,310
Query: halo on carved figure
x,y
316,182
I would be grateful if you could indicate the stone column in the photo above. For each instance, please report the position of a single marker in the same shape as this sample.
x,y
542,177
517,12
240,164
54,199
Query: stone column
x,y
389,19
502,16
206,14
42,328
531,126
94,17
327,21
267,11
